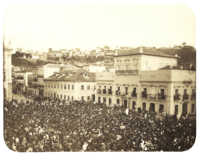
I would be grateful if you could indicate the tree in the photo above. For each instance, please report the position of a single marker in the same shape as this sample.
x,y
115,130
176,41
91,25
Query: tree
x,y
184,44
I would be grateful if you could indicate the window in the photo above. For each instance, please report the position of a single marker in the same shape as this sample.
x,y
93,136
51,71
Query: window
x,y
161,108
82,97
57,96
65,86
61,96
57,85
193,91
72,98
176,91
118,102
133,105
176,109
162,91
185,91
68,97
94,87
48,85
65,97
88,87
51,94
192,108
48,94
82,87
61,86
110,102
143,105
99,99
72,87
104,100
88,98
145,90
68,86
54,85
51,86
118,88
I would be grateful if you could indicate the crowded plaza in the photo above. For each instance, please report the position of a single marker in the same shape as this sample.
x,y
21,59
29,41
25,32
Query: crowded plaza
x,y
56,125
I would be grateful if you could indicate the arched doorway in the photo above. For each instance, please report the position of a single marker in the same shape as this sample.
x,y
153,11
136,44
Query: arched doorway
x,y
184,108
152,106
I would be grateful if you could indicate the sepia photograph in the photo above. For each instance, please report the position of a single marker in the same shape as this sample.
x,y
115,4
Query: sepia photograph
x,y
99,78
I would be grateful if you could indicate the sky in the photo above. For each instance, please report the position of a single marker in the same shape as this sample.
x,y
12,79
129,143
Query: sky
x,y
40,27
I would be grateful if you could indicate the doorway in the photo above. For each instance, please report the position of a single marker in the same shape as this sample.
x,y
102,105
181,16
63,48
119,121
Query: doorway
x,y
125,103
54,95
152,106
93,97
176,109
99,100
184,109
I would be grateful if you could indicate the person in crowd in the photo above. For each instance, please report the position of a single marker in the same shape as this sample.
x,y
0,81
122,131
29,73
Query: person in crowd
x,y
58,125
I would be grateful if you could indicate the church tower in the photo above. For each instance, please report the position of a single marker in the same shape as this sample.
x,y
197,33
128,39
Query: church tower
x,y
7,71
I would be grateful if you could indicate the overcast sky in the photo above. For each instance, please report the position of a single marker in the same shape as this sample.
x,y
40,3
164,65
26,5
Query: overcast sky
x,y
88,26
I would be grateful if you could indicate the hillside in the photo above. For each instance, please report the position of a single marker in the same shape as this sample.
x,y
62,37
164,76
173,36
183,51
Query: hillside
x,y
187,56
22,62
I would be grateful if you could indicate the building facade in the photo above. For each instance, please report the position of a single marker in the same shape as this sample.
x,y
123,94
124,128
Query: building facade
x,y
79,85
140,82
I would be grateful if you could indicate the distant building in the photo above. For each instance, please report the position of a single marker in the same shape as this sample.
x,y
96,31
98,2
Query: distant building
x,y
106,48
126,48
63,51
69,85
93,53
94,68
53,53
98,49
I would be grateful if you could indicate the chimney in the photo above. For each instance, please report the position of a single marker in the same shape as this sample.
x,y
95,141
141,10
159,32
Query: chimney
x,y
141,50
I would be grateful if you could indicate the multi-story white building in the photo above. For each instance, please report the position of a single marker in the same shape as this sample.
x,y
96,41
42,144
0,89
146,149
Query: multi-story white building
x,y
71,85
140,81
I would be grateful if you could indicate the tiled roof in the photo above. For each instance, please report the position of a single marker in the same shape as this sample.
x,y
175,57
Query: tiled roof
x,y
145,50
69,76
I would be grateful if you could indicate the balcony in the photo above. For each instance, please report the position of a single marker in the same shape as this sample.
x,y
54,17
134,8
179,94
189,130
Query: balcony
x,y
109,92
20,83
185,97
134,94
193,96
104,91
124,93
40,76
152,96
131,72
161,96
144,95
41,85
99,91
177,97
35,80
19,78
117,93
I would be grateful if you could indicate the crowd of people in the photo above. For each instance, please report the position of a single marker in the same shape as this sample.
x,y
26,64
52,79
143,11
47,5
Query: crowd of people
x,y
87,126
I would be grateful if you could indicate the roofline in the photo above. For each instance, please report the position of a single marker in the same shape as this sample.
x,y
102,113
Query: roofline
x,y
67,81
145,54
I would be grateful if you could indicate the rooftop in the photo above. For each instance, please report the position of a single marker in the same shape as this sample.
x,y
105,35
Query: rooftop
x,y
80,75
145,50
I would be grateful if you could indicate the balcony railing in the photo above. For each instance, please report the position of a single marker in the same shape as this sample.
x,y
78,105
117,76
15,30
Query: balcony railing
x,y
161,96
185,97
132,72
109,92
20,83
19,78
152,96
104,91
35,80
134,94
177,97
41,76
144,95
40,85
193,97
117,93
